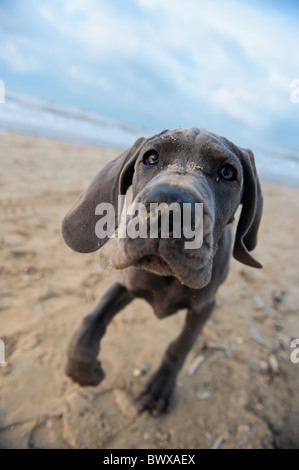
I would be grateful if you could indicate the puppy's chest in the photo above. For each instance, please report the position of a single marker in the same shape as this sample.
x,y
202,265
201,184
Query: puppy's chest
x,y
165,294
167,299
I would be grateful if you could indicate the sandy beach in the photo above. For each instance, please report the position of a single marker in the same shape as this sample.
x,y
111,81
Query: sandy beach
x,y
244,393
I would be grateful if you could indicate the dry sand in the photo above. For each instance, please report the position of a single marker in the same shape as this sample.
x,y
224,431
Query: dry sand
x,y
244,394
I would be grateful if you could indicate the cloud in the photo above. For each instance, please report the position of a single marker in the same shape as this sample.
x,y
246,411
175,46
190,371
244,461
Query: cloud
x,y
164,62
88,79
95,27
234,102
229,43
17,60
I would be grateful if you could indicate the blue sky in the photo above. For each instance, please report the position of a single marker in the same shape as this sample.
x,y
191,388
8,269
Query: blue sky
x,y
226,65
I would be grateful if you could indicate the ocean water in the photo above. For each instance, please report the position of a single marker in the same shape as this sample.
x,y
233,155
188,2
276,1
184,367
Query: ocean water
x,y
34,116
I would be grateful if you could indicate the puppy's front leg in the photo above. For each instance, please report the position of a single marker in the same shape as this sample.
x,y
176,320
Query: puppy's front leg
x,y
157,393
82,365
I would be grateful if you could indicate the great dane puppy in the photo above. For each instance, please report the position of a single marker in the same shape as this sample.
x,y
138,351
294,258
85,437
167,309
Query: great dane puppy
x,y
184,166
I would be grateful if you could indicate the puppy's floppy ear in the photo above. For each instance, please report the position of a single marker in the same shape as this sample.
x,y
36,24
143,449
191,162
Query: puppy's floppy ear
x,y
78,226
252,200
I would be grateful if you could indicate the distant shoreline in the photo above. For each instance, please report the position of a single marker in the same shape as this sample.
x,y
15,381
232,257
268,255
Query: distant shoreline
x,y
273,178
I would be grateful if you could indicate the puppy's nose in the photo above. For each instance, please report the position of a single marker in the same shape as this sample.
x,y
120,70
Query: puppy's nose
x,y
170,195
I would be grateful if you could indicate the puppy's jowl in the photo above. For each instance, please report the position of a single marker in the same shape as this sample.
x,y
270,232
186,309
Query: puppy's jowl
x,y
191,167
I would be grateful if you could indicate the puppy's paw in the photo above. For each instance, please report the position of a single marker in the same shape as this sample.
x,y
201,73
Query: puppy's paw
x,y
84,372
156,397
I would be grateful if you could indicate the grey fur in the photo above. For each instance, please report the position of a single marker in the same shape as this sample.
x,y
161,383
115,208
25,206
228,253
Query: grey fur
x,y
161,271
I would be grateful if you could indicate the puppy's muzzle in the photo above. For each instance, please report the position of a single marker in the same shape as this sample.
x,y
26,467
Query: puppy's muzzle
x,y
178,203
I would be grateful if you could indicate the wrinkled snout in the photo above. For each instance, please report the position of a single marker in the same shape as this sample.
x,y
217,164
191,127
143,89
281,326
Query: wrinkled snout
x,y
178,205
169,229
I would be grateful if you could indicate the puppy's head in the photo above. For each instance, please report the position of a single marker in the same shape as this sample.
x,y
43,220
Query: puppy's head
x,y
191,166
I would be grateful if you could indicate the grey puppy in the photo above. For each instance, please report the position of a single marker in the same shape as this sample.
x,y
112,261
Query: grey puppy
x,y
185,166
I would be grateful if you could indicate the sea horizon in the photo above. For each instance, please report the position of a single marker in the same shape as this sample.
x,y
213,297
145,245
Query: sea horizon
x,y
27,115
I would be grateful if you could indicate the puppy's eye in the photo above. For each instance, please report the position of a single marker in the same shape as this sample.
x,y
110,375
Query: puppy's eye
x,y
228,173
150,158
